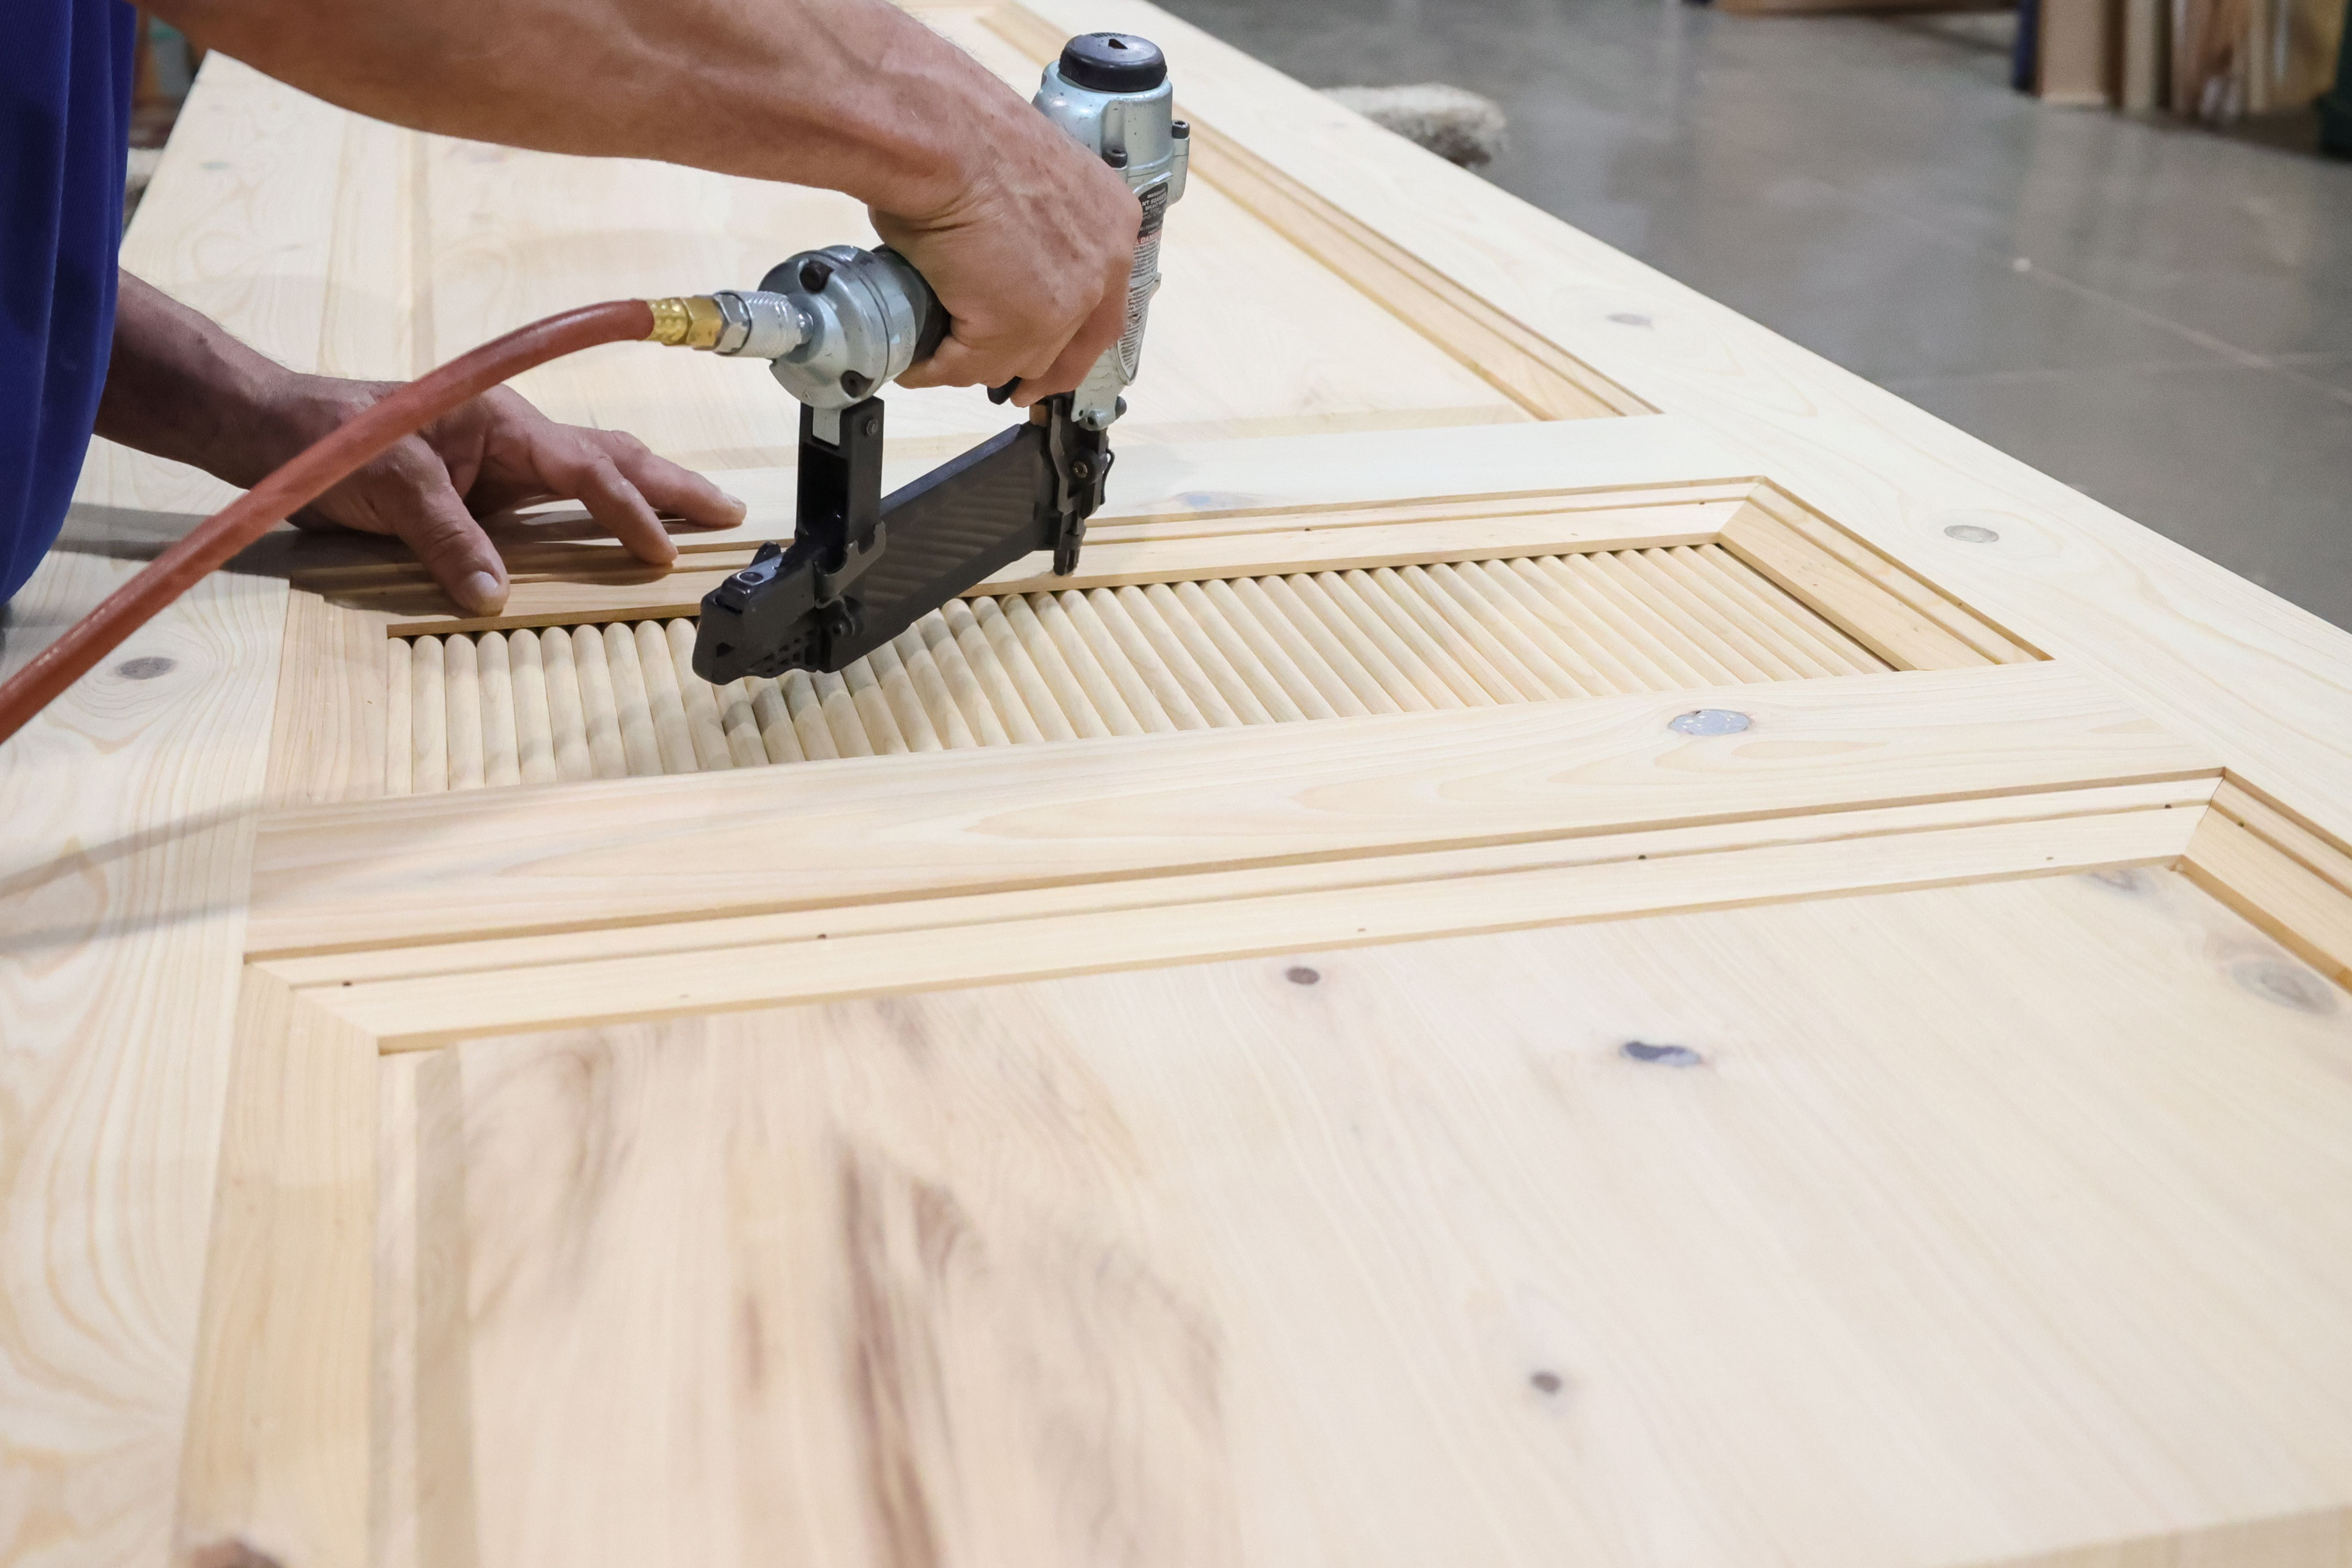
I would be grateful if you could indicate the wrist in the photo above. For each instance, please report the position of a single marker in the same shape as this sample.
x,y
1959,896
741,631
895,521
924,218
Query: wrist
x,y
275,415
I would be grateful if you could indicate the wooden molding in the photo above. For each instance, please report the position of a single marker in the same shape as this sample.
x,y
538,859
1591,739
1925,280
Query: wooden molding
x,y
276,1461
2280,873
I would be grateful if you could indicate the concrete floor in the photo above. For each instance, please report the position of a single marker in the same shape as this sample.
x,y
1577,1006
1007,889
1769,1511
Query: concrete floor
x,y
2160,316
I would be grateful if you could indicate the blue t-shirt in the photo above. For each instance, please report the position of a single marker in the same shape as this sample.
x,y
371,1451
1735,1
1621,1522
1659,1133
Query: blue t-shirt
x,y
64,133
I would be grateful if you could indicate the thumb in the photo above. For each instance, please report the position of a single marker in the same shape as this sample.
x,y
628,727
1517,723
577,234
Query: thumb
x,y
453,547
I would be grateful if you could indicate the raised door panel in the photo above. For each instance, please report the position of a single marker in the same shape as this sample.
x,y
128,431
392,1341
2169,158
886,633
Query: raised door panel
x,y
1965,1225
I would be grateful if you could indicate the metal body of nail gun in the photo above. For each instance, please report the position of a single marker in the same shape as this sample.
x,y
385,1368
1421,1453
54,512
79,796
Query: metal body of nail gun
x,y
836,325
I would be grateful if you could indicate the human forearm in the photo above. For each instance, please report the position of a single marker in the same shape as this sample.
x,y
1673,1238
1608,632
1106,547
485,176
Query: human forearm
x,y
852,95
1026,238
181,387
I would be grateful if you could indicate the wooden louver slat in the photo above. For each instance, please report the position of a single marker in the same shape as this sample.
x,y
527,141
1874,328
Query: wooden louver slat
x,y
568,703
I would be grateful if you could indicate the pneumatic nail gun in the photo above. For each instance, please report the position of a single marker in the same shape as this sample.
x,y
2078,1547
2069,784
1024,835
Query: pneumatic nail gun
x,y
837,324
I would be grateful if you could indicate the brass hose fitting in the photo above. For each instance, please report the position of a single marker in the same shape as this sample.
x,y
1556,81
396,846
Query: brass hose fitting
x,y
691,322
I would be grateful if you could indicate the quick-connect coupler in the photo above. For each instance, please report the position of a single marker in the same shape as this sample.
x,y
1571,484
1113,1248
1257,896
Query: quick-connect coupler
x,y
835,324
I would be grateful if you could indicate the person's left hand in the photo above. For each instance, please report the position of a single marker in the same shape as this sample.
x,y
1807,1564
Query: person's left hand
x,y
482,457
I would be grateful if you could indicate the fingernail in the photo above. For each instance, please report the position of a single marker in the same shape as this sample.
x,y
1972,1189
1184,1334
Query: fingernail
x,y
480,592
743,508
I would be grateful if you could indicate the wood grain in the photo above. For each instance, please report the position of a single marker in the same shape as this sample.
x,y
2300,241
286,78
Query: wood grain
x,y
131,806
1148,925
587,855
2186,796
276,1467
2278,892
1399,1255
1054,655
333,718
2206,652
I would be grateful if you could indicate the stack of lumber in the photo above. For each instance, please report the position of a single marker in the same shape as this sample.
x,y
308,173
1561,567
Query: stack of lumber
x,y
1583,940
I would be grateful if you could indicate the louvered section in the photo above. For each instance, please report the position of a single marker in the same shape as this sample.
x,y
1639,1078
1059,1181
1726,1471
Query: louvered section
x,y
621,700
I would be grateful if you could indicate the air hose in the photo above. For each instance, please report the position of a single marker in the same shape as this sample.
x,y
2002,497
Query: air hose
x,y
319,468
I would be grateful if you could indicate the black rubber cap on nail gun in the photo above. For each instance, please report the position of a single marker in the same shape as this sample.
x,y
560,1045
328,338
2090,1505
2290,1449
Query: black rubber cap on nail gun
x,y
1113,62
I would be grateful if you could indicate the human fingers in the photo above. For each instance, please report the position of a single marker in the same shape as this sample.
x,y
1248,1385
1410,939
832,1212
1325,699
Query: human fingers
x,y
1021,260
574,464
958,361
414,496
678,490
1086,345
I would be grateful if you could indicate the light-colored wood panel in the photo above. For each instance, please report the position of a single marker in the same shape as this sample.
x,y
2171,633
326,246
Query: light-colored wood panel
x,y
2317,854
2206,652
1224,485
130,807
1404,1255
2276,892
276,1466
939,914
1920,594
443,1009
1477,614
333,721
588,855
1891,628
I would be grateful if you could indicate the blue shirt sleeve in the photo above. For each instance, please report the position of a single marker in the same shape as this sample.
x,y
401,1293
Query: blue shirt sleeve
x,y
64,134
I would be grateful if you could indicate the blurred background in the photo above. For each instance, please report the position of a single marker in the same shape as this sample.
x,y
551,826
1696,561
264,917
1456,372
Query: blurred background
x,y
2102,234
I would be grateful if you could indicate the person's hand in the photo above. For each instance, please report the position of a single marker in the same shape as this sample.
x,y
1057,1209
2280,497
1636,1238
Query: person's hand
x,y
482,457
1030,261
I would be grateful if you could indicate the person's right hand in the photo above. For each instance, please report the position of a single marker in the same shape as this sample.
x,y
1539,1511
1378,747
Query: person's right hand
x,y
1030,260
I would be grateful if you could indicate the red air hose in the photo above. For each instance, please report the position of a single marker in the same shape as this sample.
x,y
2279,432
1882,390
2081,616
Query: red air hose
x,y
301,480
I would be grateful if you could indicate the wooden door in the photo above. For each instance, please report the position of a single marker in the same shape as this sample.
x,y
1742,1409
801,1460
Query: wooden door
x,y
1580,940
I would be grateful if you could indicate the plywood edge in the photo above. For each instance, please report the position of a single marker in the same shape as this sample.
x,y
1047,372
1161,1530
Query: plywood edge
x,y
2280,894
275,1460
1526,366
418,1014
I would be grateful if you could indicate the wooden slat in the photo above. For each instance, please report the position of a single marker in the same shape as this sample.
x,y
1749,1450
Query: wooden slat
x,y
587,855
276,1464
438,1010
2275,890
1963,623
333,718
2186,796
1462,622
1893,630
2317,853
